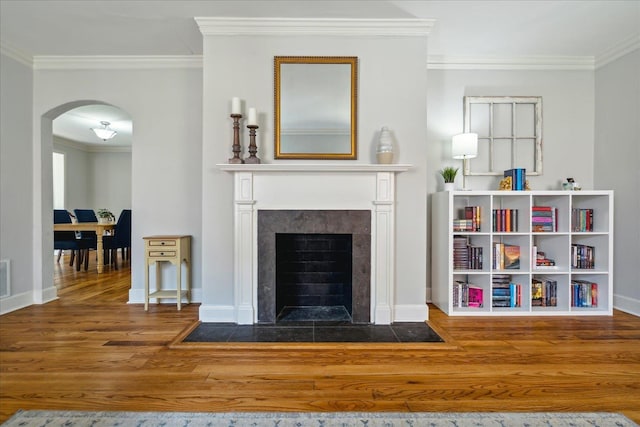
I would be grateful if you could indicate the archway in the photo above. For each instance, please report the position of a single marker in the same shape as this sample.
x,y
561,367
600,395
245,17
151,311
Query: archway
x,y
43,199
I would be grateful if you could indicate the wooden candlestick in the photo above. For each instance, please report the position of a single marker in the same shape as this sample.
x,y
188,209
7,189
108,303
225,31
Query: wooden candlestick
x,y
236,139
253,148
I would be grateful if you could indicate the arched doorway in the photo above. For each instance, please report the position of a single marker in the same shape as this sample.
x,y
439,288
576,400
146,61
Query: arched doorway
x,y
43,235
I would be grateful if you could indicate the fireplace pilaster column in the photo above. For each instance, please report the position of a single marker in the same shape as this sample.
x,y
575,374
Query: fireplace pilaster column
x,y
383,254
244,250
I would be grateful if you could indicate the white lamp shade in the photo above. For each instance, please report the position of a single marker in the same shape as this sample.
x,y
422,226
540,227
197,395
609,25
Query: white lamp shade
x,y
464,146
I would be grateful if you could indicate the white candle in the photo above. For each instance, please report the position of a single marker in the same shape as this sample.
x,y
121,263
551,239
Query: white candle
x,y
235,106
253,117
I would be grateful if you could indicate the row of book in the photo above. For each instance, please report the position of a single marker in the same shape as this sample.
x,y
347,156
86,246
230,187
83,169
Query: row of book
x,y
584,293
467,295
544,219
506,256
544,292
465,255
582,256
581,220
541,260
505,293
518,178
469,219
505,220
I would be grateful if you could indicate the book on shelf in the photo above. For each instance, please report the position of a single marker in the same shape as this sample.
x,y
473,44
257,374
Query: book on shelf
x,y
504,220
511,257
544,219
505,293
584,293
581,220
465,255
467,295
506,256
582,256
518,178
544,292
540,260
470,219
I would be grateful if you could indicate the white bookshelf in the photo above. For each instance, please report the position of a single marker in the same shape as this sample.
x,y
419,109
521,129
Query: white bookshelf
x,y
556,245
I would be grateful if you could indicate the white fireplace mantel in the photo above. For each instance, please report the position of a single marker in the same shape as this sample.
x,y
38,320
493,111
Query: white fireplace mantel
x,y
313,167
302,186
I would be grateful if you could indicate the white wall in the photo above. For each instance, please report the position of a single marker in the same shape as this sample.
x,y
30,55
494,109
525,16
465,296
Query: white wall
x,y
617,166
110,181
16,205
392,92
166,109
95,178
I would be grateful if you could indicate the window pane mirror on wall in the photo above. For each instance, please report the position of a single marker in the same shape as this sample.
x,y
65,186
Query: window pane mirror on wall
x,y
509,132
315,107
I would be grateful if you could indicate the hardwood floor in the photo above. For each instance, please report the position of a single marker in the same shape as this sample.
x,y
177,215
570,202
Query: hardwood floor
x,y
89,350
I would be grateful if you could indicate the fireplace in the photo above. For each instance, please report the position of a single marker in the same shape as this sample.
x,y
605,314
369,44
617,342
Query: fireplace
x,y
271,199
313,277
339,229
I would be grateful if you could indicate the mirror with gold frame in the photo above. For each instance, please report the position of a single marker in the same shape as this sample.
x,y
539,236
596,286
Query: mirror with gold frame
x,y
316,107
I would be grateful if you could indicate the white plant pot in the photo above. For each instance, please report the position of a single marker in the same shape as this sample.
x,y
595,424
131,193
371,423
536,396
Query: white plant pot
x,y
449,186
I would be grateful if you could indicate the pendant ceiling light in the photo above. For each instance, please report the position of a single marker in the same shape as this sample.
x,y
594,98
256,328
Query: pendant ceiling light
x,y
104,133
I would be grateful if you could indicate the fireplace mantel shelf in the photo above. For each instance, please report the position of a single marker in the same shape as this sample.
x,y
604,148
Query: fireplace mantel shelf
x,y
314,167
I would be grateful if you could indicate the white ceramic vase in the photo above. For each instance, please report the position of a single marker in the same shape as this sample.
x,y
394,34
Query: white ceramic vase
x,y
384,151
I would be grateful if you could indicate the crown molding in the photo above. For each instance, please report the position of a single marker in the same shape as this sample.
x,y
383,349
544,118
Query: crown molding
x,y
210,26
14,53
442,62
618,51
116,62
61,142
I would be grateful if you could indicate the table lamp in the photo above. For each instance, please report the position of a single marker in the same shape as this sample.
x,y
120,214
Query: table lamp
x,y
464,146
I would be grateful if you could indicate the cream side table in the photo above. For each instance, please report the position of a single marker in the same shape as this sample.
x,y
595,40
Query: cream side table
x,y
173,249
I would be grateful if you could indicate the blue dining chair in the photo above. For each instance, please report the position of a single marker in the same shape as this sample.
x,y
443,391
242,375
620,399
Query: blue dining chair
x,y
120,240
66,240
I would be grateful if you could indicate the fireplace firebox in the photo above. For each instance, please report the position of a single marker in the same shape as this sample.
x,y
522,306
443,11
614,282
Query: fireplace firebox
x,y
313,271
314,258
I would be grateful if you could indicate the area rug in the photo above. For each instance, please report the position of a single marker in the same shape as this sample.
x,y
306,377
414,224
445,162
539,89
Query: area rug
x,y
313,419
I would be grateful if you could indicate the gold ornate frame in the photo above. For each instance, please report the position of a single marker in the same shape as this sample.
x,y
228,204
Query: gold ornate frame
x,y
280,153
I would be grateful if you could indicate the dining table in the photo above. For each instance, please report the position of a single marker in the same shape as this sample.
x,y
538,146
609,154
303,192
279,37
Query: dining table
x,y
100,229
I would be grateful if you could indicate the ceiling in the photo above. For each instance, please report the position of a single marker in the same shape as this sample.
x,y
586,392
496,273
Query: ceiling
x,y
471,29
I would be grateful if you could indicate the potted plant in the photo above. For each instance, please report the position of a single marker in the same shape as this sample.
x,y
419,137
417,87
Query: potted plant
x,y
105,216
449,175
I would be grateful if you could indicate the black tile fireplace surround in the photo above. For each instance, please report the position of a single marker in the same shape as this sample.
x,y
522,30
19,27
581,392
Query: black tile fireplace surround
x,y
356,223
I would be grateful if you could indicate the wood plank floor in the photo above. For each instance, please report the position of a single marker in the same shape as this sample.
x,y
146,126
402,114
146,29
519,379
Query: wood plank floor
x,y
89,350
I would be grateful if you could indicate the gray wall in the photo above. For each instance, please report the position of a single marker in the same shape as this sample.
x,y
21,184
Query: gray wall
x,y
617,166
95,178
16,194
192,140
166,109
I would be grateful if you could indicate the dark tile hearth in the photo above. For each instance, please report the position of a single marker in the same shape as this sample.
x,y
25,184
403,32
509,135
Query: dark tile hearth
x,y
315,331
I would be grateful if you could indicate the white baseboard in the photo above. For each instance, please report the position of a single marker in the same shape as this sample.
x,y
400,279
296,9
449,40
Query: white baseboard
x,y
217,313
25,299
626,304
15,302
411,313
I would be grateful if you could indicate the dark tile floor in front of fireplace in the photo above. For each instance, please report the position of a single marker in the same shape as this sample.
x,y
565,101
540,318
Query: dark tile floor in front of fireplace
x,y
314,331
